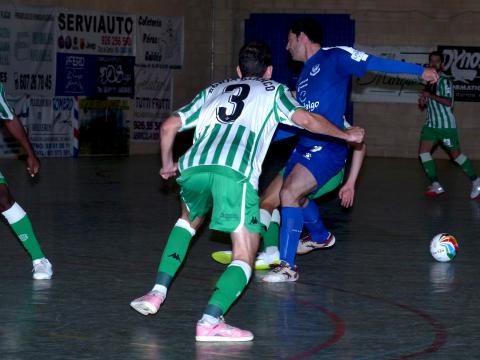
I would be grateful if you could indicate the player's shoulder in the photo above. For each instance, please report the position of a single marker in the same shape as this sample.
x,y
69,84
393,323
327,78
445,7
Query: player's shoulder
x,y
346,51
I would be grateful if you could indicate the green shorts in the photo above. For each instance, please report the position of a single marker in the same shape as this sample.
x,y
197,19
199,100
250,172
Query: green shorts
x,y
448,137
330,185
234,203
2,179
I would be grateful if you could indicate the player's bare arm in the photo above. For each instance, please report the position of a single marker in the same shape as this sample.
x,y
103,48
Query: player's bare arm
x,y
347,191
15,128
318,124
168,132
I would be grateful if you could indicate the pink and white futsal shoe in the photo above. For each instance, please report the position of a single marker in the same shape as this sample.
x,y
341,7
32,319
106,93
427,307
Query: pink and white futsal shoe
x,y
221,332
149,303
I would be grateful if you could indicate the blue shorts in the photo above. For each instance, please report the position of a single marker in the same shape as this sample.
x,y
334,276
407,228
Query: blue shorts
x,y
323,161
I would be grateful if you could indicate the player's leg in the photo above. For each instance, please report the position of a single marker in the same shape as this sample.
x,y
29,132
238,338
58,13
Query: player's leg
x,y
269,204
242,200
428,139
452,145
20,223
195,204
298,184
318,237
270,219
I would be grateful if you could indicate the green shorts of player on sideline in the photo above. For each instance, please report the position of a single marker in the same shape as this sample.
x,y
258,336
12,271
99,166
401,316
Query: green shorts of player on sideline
x,y
448,137
330,185
234,203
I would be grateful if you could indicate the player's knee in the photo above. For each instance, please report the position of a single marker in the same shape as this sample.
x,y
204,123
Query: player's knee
x,y
6,199
269,204
288,196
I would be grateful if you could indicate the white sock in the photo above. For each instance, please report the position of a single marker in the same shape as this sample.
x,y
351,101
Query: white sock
x,y
161,289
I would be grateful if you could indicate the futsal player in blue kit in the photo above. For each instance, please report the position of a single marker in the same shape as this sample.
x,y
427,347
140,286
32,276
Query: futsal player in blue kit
x,y
322,87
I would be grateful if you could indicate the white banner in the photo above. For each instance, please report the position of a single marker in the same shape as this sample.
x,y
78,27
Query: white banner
x,y
153,102
21,108
88,32
160,41
48,123
27,51
49,126
381,87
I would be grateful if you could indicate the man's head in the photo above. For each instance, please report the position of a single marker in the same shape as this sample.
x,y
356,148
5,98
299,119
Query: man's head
x,y
435,60
304,32
255,60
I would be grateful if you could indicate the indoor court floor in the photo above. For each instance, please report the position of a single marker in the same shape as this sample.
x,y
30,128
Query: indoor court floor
x,y
377,294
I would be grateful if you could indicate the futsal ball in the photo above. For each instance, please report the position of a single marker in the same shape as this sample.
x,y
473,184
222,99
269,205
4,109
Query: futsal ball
x,y
444,247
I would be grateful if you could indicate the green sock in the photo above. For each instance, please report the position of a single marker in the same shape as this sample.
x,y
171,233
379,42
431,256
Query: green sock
x,y
174,252
21,225
272,236
466,166
228,288
429,167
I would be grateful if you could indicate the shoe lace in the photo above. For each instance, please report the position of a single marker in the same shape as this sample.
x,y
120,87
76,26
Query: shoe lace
x,y
306,238
280,267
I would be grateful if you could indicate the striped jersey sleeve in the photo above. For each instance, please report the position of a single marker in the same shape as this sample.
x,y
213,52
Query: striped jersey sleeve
x,y
6,112
445,88
285,106
189,114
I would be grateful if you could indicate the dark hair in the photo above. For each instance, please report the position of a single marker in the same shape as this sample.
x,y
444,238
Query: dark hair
x,y
436,53
254,59
309,27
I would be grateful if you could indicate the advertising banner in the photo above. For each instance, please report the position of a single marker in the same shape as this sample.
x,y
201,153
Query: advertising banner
x,y
27,51
462,63
153,102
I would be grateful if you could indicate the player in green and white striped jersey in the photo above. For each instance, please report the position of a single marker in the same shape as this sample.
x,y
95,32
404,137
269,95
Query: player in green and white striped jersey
x,y
441,127
14,214
234,123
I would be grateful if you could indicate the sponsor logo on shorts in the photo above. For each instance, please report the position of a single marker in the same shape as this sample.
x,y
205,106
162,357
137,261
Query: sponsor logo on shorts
x,y
254,221
307,156
229,216
316,148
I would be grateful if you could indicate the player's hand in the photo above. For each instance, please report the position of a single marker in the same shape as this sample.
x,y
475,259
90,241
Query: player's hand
x,y
169,171
422,100
33,165
430,75
346,195
355,134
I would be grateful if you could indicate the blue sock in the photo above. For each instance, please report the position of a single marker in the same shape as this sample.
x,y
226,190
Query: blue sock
x,y
290,230
313,222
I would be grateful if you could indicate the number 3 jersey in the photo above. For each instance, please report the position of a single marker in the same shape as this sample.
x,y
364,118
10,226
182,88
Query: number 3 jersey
x,y
234,123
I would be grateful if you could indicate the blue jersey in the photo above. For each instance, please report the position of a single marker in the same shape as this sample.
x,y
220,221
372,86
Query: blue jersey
x,y
322,88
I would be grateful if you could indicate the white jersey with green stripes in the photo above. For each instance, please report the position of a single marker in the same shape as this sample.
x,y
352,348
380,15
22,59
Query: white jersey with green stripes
x,y
234,123
441,116
6,112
